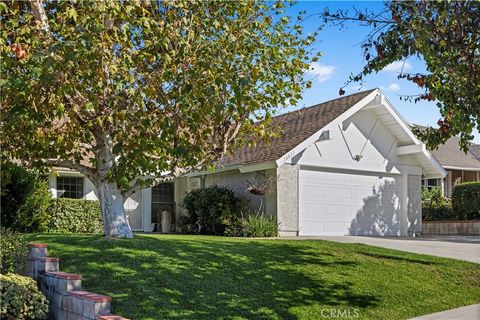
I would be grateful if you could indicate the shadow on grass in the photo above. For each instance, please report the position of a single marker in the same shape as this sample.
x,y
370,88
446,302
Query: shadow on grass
x,y
187,278
397,258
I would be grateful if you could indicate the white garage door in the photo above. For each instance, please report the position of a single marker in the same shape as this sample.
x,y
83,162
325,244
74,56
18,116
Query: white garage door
x,y
332,203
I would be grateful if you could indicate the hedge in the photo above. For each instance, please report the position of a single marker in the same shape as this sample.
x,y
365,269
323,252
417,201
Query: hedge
x,y
24,198
21,299
438,213
466,200
75,216
13,251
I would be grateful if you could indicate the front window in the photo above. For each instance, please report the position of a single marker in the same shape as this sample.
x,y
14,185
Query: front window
x,y
431,183
70,187
163,199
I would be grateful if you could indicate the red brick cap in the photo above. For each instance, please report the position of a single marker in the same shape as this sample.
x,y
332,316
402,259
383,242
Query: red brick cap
x,y
110,317
37,245
90,296
64,275
48,259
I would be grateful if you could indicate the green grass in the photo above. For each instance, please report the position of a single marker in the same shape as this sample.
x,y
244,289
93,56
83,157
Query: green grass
x,y
195,277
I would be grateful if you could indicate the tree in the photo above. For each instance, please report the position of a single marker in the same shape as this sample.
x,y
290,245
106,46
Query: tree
x,y
445,34
130,93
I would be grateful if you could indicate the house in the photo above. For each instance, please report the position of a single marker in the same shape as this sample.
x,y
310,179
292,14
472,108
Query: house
x,y
349,166
460,166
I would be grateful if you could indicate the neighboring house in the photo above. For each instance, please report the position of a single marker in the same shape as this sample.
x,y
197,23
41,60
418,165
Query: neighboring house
x,y
349,166
460,166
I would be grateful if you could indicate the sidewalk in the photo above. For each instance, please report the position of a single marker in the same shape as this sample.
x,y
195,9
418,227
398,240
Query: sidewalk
x,y
471,312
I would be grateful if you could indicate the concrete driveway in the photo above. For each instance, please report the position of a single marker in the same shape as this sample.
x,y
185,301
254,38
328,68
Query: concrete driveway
x,y
456,247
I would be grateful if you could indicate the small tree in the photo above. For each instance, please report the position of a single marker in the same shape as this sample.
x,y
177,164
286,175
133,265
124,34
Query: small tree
x,y
132,92
445,34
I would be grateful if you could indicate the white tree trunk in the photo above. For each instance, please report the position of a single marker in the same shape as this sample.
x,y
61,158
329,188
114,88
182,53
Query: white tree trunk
x,y
111,203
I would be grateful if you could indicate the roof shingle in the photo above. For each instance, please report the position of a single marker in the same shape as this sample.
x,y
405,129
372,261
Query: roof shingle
x,y
296,127
450,155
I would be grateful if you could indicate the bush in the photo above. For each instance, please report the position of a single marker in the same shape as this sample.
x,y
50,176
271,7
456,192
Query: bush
x,y
211,210
433,198
435,206
75,216
254,225
24,199
33,215
21,299
17,185
438,214
466,200
260,226
13,251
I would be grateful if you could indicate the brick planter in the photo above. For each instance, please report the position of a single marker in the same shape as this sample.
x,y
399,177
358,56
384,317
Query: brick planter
x,y
63,290
465,227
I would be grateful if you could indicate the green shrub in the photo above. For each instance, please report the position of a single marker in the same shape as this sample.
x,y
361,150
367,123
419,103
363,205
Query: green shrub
x,y
254,225
21,299
433,198
438,213
260,226
211,210
24,199
33,215
13,251
435,207
75,216
466,200
17,185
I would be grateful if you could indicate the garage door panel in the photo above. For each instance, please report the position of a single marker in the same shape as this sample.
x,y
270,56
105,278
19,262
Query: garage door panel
x,y
308,193
336,203
313,229
313,180
335,193
335,179
317,210
333,227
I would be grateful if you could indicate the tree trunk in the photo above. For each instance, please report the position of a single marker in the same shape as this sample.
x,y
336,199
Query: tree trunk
x,y
114,218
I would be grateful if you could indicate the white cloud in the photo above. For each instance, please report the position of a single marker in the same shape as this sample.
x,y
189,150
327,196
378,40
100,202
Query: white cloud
x,y
397,66
321,72
393,87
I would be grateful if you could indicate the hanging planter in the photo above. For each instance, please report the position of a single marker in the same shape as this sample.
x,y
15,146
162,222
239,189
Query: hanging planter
x,y
258,191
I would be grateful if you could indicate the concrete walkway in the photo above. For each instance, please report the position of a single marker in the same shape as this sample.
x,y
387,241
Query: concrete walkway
x,y
456,247
471,312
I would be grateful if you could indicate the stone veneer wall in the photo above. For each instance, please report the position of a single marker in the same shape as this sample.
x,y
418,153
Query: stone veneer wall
x,y
466,228
63,290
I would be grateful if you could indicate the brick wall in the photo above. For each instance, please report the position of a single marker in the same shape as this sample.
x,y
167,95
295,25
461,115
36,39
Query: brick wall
x,y
468,228
67,300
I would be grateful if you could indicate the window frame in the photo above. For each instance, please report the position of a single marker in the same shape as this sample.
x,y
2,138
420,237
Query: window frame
x,y
69,183
156,205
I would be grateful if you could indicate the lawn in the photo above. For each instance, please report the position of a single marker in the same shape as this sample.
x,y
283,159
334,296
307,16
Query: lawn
x,y
195,277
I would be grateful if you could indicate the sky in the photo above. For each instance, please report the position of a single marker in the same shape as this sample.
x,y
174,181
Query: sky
x,y
341,56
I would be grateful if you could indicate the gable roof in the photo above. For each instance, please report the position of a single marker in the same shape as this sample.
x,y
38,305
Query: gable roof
x,y
296,127
451,156
475,151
